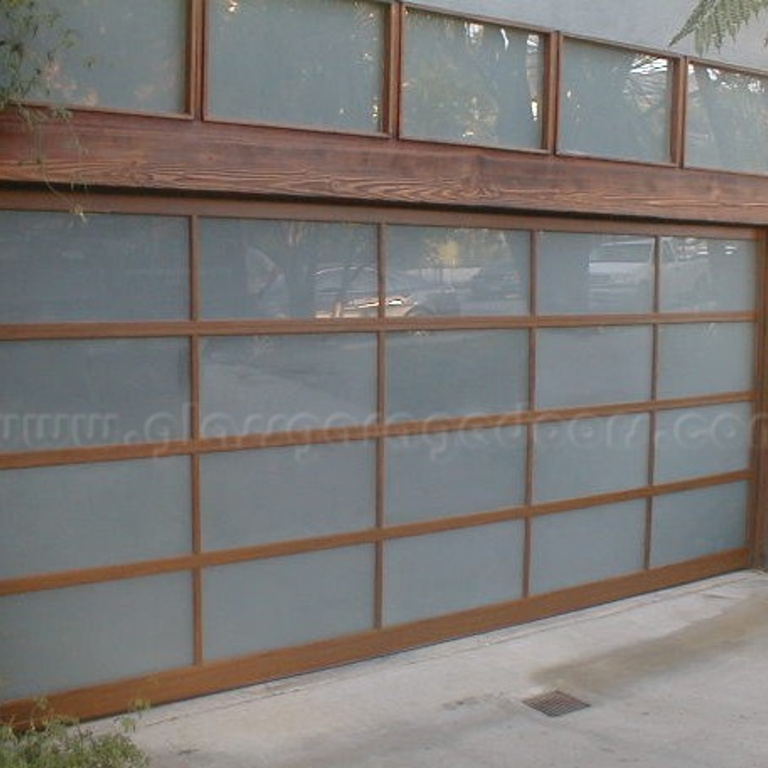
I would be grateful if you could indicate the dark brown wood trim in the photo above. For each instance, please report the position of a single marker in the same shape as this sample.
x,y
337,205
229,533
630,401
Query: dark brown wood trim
x,y
195,59
13,197
369,431
679,112
757,528
177,156
214,676
392,107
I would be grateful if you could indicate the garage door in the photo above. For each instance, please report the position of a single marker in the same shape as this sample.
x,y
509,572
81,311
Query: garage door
x,y
241,441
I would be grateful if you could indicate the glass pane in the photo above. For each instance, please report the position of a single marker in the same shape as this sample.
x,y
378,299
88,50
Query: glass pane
x,y
287,383
445,474
590,456
454,571
588,366
84,516
727,120
103,391
472,82
615,103
573,548
68,638
306,62
646,23
58,267
707,275
598,274
256,497
694,442
698,523
456,373
126,55
283,601
705,358
280,269
444,271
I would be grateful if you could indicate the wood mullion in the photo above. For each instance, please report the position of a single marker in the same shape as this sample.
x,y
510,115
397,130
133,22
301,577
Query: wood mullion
x,y
653,415
195,54
679,111
318,210
530,444
392,107
19,460
381,415
555,59
196,562
757,527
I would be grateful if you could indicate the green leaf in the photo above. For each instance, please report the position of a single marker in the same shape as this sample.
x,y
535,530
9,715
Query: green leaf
x,y
712,21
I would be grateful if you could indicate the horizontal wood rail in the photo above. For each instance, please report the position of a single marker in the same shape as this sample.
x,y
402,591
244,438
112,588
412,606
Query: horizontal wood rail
x,y
164,155
213,676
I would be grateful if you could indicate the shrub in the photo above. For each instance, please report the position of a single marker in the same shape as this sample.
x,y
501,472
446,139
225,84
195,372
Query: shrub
x,y
55,742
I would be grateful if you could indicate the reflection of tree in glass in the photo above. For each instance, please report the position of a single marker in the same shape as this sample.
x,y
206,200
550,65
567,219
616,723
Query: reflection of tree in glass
x,y
727,118
616,103
307,62
128,54
471,82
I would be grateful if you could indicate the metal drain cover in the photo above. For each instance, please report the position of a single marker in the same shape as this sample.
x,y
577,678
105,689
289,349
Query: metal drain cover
x,y
555,703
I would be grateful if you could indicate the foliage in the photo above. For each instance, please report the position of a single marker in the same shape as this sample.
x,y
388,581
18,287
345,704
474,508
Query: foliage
x,y
31,37
712,21
56,742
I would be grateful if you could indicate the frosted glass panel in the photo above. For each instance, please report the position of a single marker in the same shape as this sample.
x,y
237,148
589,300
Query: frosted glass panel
x,y
308,62
698,523
83,516
70,393
68,638
573,548
445,474
647,23
445,271
287,383
693,442
285,601
128,55
454,571
278,269
472,82
705,358
586,366
615,103
456,373
57,267
255,497
583,274
590,456
727,120
707,275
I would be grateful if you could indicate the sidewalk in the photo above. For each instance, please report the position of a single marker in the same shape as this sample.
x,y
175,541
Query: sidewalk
x,y
676,679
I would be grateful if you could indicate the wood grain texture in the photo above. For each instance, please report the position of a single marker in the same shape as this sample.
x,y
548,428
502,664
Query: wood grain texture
x,y
160,154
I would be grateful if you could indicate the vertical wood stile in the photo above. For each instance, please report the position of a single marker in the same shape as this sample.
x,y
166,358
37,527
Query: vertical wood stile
x,y
530,467
757,527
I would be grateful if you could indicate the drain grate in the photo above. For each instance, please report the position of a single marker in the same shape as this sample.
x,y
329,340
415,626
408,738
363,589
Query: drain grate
x,y
556,703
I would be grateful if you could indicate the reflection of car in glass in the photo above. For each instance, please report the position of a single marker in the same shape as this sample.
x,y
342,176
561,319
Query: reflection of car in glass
x,y
497,280
352,292
624,271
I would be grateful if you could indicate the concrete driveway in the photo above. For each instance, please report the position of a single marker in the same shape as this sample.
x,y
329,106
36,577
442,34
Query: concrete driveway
x,y
676,679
